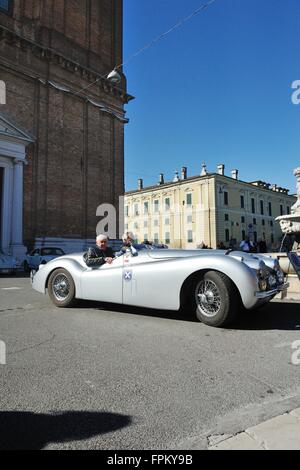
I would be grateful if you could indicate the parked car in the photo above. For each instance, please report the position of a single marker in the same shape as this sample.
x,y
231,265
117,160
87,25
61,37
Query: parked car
x,y
41,256
8,264
215,284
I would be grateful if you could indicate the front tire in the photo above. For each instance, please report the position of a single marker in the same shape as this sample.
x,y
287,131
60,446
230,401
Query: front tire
x,y
216,298
61,288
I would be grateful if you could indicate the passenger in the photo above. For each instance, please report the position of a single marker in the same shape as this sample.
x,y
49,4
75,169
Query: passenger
x,y
127,239
99,254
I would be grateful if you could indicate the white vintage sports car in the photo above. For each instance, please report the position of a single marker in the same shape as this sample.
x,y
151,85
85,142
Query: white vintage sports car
x,y
216,284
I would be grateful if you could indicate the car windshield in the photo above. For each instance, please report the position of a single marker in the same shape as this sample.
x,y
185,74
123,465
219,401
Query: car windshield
x,y
52,252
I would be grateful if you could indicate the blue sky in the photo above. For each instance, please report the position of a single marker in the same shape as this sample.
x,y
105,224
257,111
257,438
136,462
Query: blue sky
x,y
216,90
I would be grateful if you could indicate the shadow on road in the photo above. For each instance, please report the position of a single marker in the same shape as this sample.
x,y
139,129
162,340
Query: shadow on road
x,y
148,312
273,316
27,430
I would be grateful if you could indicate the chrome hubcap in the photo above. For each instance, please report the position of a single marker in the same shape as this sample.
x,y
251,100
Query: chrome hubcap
x,y
61,287
208,298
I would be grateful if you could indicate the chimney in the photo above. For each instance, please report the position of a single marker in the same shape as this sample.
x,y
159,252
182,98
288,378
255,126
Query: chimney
x,y
221,169
203,171
274,187
183,172
161,178
234,174
176,177
140,184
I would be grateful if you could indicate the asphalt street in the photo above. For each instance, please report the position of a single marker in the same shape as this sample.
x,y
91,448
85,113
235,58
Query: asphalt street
x,y
111,377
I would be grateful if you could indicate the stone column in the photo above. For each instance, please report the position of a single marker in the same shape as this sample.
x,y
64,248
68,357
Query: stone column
x,y
18,248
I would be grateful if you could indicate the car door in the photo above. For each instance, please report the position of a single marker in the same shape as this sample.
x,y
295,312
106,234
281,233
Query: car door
x,y
103,283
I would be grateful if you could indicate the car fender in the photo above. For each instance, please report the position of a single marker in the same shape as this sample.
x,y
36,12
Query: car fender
x,y
242,276
41,277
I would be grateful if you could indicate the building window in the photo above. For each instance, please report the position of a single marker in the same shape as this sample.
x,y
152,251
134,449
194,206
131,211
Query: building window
x,y
167,204
167,221
227,235
155,223
243,234
225,198
287,209
6,5
136,209
145,223
262,207
253,205
145,237
226,217
146,207
189,219
272,238
263,222
156,238
270,209
281,209
188,199
255,236
242,219
271,223
254,221
167,237
136,225
190,236
242,202
156,206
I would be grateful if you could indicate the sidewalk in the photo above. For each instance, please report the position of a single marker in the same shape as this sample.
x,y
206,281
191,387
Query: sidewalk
x,y
280,433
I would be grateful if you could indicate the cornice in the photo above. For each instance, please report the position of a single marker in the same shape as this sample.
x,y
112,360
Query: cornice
x,y
53,56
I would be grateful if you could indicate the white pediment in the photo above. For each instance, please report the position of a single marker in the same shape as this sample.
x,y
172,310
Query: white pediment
x,y
8,129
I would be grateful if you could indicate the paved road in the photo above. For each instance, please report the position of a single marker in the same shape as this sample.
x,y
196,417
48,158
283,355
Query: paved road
x,y
107,377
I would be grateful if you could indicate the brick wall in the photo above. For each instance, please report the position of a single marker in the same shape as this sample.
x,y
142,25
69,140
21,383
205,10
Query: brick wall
x,y
77,160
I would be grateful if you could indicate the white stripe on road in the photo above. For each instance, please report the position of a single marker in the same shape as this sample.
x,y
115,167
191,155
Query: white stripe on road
x,y
10,288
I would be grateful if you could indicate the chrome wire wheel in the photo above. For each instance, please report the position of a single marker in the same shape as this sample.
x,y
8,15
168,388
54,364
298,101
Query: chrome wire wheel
x,y
61,287
208,298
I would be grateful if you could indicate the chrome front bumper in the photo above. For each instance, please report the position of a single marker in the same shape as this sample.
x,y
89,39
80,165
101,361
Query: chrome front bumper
x,y
269,293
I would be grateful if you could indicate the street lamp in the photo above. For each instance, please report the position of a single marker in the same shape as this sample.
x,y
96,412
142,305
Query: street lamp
x,y
114,77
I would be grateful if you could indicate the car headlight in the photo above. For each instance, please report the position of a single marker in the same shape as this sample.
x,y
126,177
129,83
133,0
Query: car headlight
x,y
262,276
262,284
272,280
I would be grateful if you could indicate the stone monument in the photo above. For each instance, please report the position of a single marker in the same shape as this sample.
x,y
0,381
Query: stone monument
x,y
290,224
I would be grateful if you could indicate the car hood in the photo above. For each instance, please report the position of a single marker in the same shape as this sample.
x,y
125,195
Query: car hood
x,y
251,259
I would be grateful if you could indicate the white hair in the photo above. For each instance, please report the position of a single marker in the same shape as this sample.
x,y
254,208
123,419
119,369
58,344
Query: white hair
x,y
101,237
127,235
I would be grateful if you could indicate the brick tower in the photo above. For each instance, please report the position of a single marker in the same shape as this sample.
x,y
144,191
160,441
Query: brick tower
x,y
70,141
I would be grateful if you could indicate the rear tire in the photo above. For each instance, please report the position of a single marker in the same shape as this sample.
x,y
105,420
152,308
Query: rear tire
x,y
217,299
61,288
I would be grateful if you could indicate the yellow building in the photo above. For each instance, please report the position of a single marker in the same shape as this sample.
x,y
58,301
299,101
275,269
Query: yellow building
x,y
208,209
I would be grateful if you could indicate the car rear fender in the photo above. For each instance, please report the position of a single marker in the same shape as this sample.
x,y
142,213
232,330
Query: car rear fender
x,y
41,278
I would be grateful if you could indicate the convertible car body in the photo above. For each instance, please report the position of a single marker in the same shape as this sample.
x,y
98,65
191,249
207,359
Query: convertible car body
x,y
216,284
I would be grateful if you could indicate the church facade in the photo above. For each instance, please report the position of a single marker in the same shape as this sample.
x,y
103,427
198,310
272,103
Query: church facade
x,y
61,122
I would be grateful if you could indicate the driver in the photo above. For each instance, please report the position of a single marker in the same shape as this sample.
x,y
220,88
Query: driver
x,y
99,254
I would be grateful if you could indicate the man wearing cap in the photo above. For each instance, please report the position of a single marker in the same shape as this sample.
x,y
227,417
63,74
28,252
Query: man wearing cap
x,y
99,254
